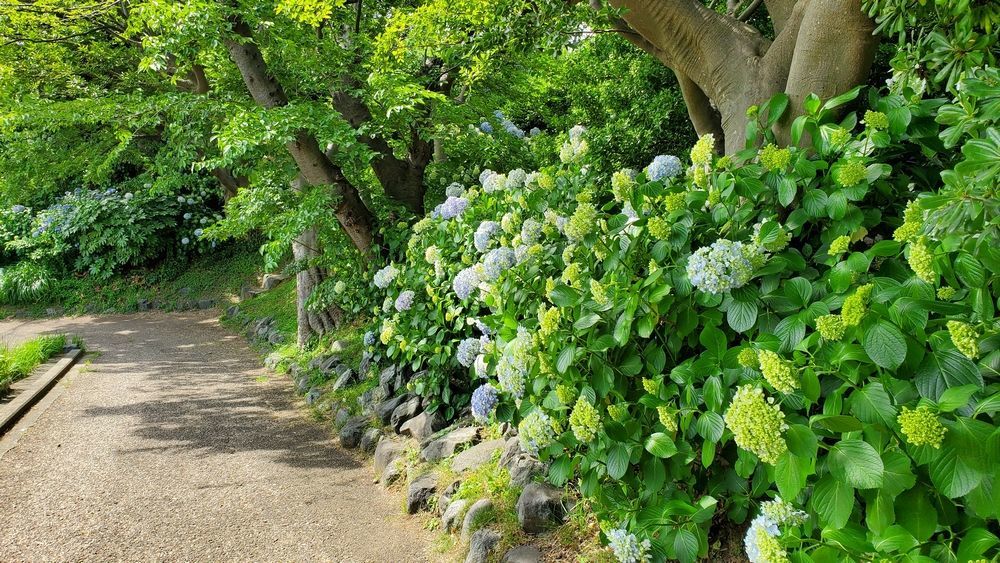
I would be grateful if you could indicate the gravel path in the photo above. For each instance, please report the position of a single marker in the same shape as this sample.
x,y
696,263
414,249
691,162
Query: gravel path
x,y
171,445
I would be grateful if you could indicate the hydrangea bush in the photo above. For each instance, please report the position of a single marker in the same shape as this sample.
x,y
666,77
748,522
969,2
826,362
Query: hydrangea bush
x,y
780,338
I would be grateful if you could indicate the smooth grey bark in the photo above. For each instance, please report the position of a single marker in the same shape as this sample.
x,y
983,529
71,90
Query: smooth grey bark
x,y
724,66
305,250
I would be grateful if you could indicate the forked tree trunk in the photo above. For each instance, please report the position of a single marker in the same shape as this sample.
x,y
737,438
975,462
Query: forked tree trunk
x,y
314,165
724,66
305,249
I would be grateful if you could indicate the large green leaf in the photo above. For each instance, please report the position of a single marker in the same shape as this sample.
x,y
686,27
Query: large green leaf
x,y
944,369
871,405
856,463
833,500
686,545
915,512
951,475
741,316
660,445
790,474
885,344
617,461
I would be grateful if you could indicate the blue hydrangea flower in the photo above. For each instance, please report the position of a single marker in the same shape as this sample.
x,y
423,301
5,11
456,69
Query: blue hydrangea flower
x,y
467,351
185,240
466,282
626,547
512,129
496,261
531,230
404,301
723,266
485,127
180,198
482,328
385,276
484,235
484,400
187,216
369,339
516,178
453,207
198,232
18,208
454,190
484,175
499,115
664,166
534,132
494,182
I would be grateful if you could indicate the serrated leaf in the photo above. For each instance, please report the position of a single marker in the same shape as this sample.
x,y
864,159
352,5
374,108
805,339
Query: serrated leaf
x,y
660,445
617,461
741,316
856,463
885,345
833,500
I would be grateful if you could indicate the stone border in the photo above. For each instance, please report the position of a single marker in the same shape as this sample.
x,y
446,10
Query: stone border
x,y
13,411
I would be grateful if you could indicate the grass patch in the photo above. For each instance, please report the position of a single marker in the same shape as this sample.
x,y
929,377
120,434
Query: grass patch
x,y
18,362
278,303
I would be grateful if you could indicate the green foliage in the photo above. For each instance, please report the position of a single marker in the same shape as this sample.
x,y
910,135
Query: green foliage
x,y
25,282
653,324
18,362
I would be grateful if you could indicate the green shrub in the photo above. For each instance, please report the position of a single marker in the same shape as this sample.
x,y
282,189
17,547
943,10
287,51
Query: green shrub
x,y
785,323
18,362
25,282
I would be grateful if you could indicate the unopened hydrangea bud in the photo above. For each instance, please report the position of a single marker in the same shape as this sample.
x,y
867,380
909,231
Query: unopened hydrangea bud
x,y
921,427
571,275
548,320
840,245
774,159
830,327
780,373
701,152
584,421
622,183
675,202
582,222
659,228
850,173
876,120
748,358
598,293
855,306
618,412
946,293
566,394
650,386
921,261
667,418
757,424
965,338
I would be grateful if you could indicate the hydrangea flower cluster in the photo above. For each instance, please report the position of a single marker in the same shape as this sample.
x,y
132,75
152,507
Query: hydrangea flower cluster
x,y
721,267
626,547
618,412
675,202
466,281
576,147
876,120
664,166
850,173
566,394
840,245
385,276
582,222
598,293
658,227
761,542
513,365
484,400
782,512
757,423
774,159
856,305
830,327
622,183
484,235
921,260
467,351
779,372
748,358
667,418
452,207
369,338
536,432
921,427
946,293
404,301
454,190
913,223
496,261
702,151
965,338
585,421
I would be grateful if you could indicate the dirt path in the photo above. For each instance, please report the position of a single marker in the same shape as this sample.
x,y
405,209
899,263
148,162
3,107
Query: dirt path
x,y
170,445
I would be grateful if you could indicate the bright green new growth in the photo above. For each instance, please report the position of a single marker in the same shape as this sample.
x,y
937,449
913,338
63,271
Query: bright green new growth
x,y
780,373
585,421
757,424
965,338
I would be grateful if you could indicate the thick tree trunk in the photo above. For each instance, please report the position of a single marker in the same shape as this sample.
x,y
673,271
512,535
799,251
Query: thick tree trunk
x,y
316,168
305,250
724,66
402,179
